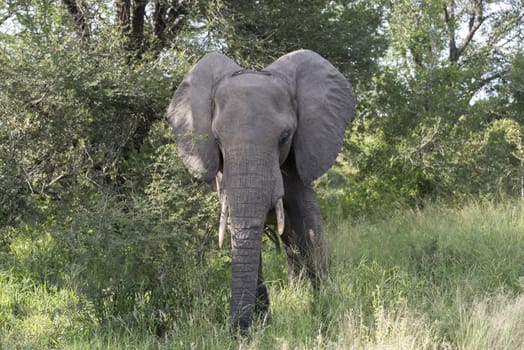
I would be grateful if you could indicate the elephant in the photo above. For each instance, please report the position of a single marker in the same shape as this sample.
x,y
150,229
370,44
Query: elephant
x,y
263,137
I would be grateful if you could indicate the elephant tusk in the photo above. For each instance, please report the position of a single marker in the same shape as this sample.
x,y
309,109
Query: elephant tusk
x,y
279,211
224,216
218,180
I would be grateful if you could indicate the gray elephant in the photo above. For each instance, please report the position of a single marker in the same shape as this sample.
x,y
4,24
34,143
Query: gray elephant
x,y
264,136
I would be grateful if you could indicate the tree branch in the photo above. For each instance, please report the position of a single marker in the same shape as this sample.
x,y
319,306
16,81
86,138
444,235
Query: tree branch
x,y
78,15
137,24
123,15
475,23
159,22
451,32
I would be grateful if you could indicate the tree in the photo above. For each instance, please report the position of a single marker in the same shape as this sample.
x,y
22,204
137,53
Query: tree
x,y
430,122
347,33
85,160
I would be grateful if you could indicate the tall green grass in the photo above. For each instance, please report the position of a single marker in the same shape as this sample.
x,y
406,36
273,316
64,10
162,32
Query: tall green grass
x,y
441,278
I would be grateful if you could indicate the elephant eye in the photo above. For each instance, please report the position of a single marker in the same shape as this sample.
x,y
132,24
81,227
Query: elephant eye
x,y
283,138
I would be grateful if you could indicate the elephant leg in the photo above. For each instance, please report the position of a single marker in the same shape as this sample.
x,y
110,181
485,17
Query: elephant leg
x,y
295,247
262,295
305,240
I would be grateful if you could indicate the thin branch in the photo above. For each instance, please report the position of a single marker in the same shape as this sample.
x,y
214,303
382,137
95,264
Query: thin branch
x,y
504,28
4,18
427,140
56,179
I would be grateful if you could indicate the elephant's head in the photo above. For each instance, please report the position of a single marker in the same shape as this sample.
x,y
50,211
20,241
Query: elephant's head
x,y
241,127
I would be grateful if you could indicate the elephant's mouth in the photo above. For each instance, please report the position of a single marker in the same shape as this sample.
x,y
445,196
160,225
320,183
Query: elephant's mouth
x,y
224,217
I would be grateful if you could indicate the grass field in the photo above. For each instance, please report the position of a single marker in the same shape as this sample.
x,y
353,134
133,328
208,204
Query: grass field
x,y
441,278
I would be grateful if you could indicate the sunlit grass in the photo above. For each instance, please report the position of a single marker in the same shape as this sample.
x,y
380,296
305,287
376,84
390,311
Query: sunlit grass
x,y
36,316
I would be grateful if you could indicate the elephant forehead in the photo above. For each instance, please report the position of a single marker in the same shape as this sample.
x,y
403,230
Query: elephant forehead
x,y
258,93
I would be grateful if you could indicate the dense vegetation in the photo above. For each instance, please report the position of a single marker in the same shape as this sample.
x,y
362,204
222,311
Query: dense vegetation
x,y
107,242
445,278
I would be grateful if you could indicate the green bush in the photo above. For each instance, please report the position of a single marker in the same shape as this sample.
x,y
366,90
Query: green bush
x,y
93,196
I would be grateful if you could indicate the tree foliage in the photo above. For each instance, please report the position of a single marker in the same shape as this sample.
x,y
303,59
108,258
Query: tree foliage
x,y
439,119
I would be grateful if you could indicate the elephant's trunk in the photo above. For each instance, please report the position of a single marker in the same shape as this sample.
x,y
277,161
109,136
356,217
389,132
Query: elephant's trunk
x,y
251,189
246,246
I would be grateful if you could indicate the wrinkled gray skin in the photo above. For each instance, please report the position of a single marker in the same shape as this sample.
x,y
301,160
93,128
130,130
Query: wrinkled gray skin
x,y
264,136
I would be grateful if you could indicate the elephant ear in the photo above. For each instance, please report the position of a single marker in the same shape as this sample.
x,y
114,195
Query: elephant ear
x,y
190,114
325,105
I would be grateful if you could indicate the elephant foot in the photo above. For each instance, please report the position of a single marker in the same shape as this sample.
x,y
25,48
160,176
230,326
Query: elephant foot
x,y
260,313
